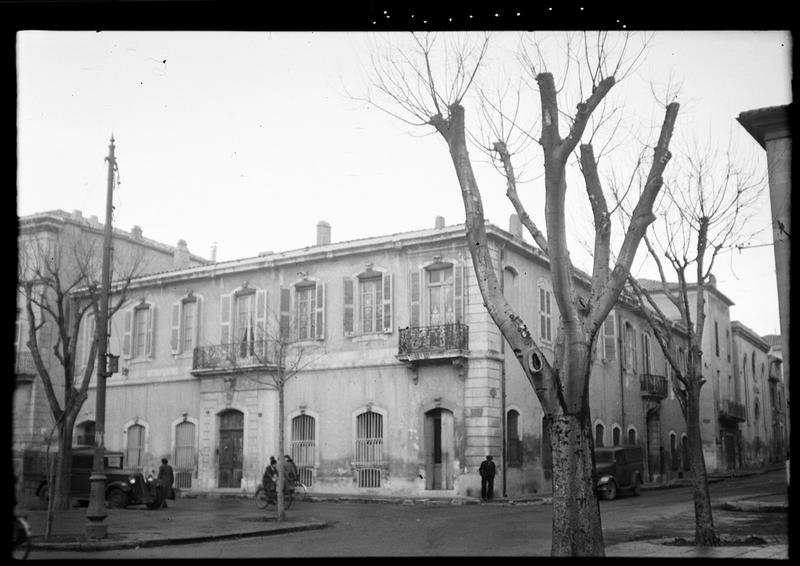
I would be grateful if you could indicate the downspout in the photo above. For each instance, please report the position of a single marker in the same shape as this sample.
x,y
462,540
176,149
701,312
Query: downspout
x,y
503,446
621,377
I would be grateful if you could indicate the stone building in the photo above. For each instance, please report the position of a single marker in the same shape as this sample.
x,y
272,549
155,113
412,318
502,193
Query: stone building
x,y
409,385
72,232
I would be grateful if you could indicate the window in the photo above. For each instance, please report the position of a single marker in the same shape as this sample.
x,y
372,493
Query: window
x,y
88,331
685,450
185,325
716,337
599,431
630,347
513,440
134,453
369,448
367,303
84,434
616,434
302,446
646,352
609,336
305,319
243,321
138,340
632,436
545,315
674,458
184,463
436,295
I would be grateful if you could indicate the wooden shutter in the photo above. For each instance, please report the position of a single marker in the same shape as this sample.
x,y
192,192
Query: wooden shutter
x,y
126,333
175,335
387,302
285,317
319,311
609,337
458,292
225,319
150,343
261,314
198,309
414,315
349,306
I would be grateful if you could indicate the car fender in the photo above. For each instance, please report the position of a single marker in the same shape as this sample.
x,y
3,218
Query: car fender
x,y
604,479
121,485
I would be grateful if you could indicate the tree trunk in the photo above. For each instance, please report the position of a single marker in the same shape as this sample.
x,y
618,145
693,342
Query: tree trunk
x,y
704,533
281,462
60,492
577,530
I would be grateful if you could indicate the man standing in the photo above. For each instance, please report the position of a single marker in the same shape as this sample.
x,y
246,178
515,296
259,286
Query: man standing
x,y
487,471
270,479
166,476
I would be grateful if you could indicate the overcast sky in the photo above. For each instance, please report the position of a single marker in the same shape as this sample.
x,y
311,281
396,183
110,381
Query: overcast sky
x,y
248,139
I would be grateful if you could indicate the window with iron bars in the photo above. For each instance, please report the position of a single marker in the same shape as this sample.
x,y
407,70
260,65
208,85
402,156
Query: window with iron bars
x,y
302,447
369,449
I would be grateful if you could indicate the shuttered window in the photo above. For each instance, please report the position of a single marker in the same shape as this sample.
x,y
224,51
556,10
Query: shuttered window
x,y
309,311
609,352
545,315
367,303
139,325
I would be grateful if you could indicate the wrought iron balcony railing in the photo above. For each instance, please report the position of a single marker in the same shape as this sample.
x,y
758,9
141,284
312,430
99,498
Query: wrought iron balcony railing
x,y
732,410
652,385
423,341
24,365
237,356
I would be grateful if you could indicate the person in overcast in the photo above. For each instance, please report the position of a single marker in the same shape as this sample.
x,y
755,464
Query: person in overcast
x,y
290,474
487,471
166,476
270,479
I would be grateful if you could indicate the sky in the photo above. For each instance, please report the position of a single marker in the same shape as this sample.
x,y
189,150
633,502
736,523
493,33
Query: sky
x,y
245,140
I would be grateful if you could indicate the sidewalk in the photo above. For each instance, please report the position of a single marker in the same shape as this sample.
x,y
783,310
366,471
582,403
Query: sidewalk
x,y
197,517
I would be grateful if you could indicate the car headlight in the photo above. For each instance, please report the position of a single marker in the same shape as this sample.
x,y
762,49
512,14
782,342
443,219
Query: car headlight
x,y
132,481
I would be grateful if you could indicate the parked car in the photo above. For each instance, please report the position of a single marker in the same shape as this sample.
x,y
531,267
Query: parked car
x,y
123,487
618,468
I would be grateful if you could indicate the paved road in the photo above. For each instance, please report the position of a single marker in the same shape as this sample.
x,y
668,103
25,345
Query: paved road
x,y
383,529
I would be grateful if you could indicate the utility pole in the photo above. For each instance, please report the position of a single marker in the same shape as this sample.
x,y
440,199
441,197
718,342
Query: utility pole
x,y
96,513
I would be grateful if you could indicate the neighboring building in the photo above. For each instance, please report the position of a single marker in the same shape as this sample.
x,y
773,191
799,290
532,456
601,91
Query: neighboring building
x,y
415,385
32,418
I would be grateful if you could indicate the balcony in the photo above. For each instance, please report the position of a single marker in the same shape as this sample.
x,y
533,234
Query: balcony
x,y
234,358
24,368
432,342
732,411
653,386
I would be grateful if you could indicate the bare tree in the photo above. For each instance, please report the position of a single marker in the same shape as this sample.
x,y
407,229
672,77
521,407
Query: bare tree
x,y
431,93
59,282
705,210
275,347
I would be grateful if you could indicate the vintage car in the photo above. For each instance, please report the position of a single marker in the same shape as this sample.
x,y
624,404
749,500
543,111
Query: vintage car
x,y
123,488
618,468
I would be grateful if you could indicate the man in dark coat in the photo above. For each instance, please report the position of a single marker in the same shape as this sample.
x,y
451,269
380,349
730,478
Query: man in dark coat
x,y
270,479
167,477
487,471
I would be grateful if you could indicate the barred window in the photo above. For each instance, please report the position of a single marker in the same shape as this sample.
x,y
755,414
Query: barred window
x,y
369,448
302,447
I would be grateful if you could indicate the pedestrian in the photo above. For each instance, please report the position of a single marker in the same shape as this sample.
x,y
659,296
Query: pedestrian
x,y
487,471
289,473
270,479
167,477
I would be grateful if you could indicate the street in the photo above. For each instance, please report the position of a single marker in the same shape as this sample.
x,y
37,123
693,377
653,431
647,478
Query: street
x,y
385,529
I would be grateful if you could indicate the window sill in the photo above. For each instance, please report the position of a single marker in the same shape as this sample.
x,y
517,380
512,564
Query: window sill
x,y
373,337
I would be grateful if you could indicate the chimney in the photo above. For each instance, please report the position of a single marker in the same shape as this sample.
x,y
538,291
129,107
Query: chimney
x,y
323,233
93,219
77,214
180,259
439,224
515,226
214,252
136,231
712,280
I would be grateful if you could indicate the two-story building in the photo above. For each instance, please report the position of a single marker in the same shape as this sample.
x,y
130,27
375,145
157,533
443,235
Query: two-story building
x,y
408,387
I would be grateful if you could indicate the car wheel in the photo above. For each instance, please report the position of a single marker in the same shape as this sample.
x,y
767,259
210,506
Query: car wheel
x,y
158,499
611,491
44,495
116,499
261,498
637,485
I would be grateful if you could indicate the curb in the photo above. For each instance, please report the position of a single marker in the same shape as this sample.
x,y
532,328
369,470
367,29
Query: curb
x,y
123,544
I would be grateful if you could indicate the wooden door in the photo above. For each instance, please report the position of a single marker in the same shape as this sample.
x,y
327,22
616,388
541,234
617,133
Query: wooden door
x,y
231,445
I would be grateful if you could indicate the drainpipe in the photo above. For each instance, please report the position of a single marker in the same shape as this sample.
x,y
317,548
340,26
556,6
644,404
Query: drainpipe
x,y
621,376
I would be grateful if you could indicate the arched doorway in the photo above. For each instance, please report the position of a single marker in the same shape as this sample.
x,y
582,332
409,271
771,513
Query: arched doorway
x,y
231,435
439,449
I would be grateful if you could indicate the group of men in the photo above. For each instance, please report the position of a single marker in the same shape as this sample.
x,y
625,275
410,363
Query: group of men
x,y
270,478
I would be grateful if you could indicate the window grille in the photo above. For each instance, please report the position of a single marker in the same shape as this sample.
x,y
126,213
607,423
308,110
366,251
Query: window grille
x,y
184,455
369,448
302,447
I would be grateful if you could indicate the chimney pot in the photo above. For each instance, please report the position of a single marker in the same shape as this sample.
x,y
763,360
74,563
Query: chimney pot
x,y
515,226
180,258
323,233
439,222
77,214
93,219
137,232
